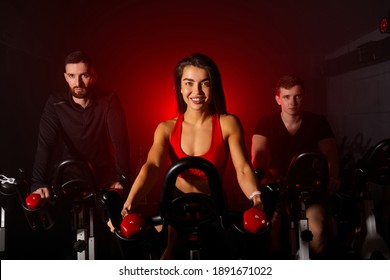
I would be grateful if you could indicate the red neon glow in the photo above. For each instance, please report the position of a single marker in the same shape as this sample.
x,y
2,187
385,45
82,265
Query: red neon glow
x,y
384,25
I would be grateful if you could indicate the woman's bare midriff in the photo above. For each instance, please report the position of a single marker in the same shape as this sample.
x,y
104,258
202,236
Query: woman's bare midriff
x,y
197,186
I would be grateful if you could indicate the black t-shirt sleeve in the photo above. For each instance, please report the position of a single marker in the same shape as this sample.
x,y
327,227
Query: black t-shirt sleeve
x,y
47,139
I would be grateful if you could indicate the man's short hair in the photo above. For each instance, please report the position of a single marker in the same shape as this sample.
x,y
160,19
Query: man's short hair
x,y
287,82
77,57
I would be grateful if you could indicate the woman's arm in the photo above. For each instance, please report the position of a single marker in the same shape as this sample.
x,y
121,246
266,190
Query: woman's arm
x,y
233,131
150,171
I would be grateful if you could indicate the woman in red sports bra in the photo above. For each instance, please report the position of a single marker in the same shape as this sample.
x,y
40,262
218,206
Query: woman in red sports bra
x,y
203,128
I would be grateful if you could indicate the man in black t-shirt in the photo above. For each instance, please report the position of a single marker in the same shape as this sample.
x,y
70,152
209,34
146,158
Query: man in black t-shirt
x,y
282,136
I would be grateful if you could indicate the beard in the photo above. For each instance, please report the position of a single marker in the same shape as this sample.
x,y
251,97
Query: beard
x,y
80,92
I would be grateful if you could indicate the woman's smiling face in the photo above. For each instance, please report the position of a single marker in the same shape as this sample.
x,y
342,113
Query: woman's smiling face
x,y
195,87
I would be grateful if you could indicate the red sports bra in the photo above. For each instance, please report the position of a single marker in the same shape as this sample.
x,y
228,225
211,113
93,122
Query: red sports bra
x,y
217,154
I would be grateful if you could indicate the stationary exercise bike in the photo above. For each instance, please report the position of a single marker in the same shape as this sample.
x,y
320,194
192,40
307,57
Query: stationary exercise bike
x,y
190,214
12,191
7,190
74,189
305,183
200,220
7,193
372,179
195,216
137,237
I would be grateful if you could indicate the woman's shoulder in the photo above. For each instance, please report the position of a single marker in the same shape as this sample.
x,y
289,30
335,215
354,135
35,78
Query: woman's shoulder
x,y
230,124
229,119
166,126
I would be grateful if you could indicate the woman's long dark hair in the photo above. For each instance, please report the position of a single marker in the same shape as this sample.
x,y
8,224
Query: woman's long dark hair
x,y
218,103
